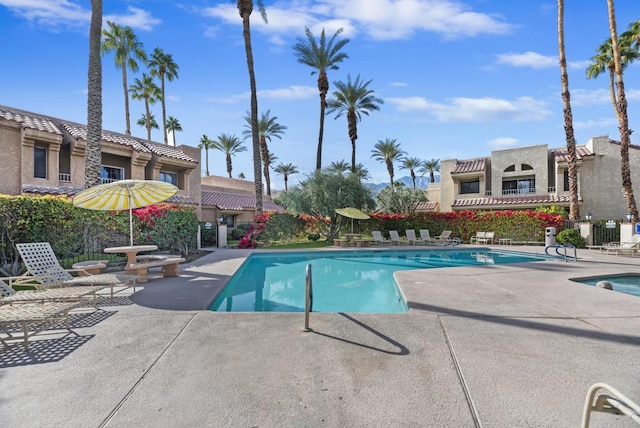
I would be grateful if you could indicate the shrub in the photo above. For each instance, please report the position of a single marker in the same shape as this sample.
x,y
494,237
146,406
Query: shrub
x,y
238,232
571,236
313,236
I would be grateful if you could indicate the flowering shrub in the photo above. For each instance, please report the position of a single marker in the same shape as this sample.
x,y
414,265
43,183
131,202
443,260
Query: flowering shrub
x,y
250,238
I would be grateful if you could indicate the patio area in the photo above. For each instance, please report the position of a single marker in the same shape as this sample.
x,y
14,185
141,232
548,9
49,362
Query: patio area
x,y
491,346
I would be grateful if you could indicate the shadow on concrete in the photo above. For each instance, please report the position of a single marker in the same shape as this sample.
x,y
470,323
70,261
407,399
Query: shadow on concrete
x,y
41,351
529,324
402,350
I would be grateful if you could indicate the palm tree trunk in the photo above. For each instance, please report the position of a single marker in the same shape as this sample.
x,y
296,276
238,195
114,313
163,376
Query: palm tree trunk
x,y
612,92
285,182
229,167
625,134
353,136
164,112
323,88
413,179
148,121
246,7
390,171
267,178
206,156
574,213
432,176
264,153
126,99
93,153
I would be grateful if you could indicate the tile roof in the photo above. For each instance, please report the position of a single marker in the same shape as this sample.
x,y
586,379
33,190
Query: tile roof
x,y
471,165
522,200
72,190
168,151
29,120
560,155
427,206
78,131
235,201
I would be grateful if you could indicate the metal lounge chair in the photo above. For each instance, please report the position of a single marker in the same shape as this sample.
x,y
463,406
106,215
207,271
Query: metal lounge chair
x,y
623,248
478,235
378,238
31,313
424,236
411,237
59,294
395,238
486,239
43,265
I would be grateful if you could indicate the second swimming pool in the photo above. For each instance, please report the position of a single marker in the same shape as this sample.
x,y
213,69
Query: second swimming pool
x,y
343,281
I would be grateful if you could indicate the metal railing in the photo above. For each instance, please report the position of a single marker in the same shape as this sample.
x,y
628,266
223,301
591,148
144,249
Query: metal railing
x,y
64,177
611,402
308,298
519,192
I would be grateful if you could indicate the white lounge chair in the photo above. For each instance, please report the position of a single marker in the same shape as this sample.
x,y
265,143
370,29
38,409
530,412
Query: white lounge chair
x,y
59,294
478,235
378,238
32,313
623,248
411,237
395,238
486,239
445,238
42,264
424,236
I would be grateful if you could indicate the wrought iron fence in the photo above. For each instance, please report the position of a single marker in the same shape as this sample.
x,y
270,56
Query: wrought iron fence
x,y
605,231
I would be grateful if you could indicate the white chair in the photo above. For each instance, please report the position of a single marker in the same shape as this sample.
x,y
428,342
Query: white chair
x,y
379,239
478,235
411,237
486,239
395,238
424,236
59,294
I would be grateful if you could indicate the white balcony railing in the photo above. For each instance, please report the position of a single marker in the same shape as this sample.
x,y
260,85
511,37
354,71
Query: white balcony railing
x,y
108,180
519,192
63,177
551,190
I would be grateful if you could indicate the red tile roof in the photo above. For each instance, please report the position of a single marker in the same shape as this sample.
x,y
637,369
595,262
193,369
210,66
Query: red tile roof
x,y
28,120
235,201
471,165
427,206
560,155
522,200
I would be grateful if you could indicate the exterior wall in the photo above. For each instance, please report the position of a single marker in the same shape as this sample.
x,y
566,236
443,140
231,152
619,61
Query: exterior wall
x,y
447,186
225,184
193,181
601,182
11,148
434,193
30,139
535,156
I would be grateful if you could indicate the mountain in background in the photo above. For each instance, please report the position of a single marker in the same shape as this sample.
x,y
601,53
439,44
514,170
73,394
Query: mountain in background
x,y
421,183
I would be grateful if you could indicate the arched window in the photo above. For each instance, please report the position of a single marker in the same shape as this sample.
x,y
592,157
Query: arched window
x,y
510,168
526,167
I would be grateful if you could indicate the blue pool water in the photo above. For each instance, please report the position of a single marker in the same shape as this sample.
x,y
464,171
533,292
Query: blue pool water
x,y
343,281
629,284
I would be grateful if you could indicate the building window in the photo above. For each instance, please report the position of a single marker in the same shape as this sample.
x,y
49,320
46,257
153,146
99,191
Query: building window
x,y
565,176
520,186
40,162
467,187
109,174
169,177
526,167
511,168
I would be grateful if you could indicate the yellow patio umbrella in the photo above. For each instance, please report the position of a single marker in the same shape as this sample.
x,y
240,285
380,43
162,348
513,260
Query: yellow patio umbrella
x,y
124,195
352,213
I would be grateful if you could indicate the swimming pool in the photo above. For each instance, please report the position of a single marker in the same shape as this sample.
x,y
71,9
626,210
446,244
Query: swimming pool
x,y
624,283
343,281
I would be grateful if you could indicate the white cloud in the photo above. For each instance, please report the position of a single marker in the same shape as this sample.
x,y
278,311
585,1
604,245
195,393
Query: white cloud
x,y
399,84
537,61
288,93
503,143
379,19
603,122
137,19
522,109
588,97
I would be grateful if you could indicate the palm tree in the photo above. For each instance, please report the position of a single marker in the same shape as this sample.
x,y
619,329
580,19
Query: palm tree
x,y
229,145
162,65
245,7
339,167
353,99
206,144
267,128
93,152
322,56
146,90
411,164
286,169
387,152
148,122
172,126
126,47
268,161
361,172
574,211
430,166
623,120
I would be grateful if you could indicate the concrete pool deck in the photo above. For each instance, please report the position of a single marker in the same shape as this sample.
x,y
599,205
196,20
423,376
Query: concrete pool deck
x,y
492,346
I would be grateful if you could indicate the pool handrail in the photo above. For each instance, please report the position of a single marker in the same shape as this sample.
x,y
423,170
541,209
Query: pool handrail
x,y
611,402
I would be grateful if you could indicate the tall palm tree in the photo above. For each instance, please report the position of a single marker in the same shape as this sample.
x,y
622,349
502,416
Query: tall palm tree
x,y
603,60
125,45
574,210
206,144
149,122
172,126
93,152
146,90
625,139
230,145
430,166
387,152
286,169
361,172
268,161
339,167
267,128
245,7
353,99
322,56
411,164
162,65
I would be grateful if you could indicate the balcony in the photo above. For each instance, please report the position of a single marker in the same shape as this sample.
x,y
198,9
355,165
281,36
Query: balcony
x,y
519,192
63,177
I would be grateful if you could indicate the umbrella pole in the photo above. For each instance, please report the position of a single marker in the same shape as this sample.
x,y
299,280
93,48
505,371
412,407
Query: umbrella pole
x,y
130,226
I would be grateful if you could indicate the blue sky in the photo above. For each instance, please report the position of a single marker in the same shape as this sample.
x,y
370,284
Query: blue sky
x,y
458,78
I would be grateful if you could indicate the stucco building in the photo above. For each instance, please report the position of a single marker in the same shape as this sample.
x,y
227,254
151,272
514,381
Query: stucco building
x,y
535,176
